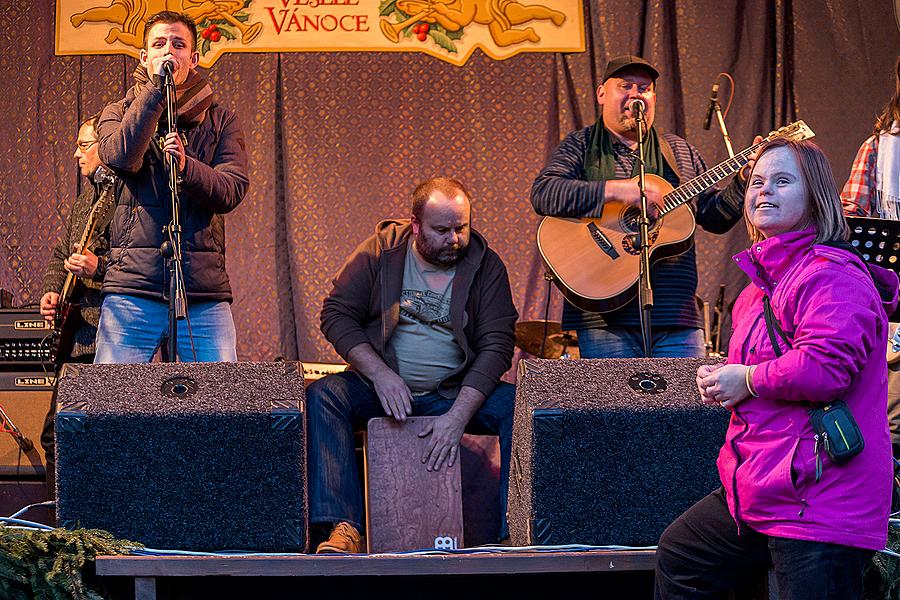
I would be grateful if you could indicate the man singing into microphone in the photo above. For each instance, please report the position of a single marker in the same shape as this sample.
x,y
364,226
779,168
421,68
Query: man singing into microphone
x,y
211,161
594,165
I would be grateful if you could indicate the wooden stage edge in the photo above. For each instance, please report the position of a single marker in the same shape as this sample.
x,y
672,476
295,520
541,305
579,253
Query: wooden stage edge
x,y
311,565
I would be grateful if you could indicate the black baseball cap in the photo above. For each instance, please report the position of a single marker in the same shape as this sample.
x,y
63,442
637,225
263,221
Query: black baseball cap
x,y
628,60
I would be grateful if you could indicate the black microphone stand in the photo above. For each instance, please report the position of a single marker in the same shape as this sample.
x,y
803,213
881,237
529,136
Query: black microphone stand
x,y
171,248
645,291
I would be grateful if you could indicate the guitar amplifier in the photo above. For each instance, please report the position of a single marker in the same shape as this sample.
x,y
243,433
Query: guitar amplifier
x,y
25,401
24,338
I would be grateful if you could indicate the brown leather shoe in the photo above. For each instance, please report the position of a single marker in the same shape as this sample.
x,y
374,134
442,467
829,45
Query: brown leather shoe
x,y
344,539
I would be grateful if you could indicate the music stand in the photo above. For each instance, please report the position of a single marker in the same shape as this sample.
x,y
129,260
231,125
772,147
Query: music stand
x,y
878,240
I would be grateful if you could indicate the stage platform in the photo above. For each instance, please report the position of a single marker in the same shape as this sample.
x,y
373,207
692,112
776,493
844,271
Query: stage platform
x,y
441,575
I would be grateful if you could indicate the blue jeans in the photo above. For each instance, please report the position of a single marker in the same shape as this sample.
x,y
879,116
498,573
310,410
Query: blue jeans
x,y
626,342
702,555
132,328
340,404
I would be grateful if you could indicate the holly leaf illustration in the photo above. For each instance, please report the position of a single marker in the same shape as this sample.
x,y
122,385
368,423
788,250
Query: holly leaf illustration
x,y
227,33
247,3
204,47
387,7
242,17
454,35
442,40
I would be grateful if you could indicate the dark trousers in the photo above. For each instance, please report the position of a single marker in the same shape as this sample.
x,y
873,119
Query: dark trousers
x,y
701,555
340,404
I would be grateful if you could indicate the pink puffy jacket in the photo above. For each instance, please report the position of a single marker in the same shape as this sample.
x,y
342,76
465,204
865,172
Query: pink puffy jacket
x,y
835,315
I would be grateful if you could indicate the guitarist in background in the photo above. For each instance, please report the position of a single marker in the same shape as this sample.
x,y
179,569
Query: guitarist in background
x,y
593,165
88,265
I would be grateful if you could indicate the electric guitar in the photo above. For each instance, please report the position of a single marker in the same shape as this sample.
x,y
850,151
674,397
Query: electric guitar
x,y
595,262
68,314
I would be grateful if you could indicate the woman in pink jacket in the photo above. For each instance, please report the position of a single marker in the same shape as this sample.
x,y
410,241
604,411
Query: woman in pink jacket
x,y
784,502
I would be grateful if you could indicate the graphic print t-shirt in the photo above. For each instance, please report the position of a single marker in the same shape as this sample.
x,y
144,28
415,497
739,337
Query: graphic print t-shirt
x,y
423,340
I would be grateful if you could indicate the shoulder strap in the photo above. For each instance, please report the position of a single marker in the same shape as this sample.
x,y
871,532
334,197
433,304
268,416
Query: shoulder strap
x,y
773,326
669,156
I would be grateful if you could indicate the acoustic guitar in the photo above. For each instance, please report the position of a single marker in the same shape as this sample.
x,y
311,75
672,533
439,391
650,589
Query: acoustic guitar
x,y
68,314
595,261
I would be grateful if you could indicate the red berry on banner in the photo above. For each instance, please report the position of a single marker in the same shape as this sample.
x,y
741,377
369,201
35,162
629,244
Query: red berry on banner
x,y
205,34
422,36
417,28
215,36
213,27
425,27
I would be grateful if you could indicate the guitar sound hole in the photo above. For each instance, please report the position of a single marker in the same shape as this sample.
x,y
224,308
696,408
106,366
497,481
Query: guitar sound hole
x,y
631,220
631,243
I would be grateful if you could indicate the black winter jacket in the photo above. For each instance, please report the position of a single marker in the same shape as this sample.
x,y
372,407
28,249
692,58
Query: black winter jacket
x,y
214,181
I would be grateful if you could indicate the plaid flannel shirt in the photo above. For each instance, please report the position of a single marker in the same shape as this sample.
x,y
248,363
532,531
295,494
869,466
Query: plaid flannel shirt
x,y
858,195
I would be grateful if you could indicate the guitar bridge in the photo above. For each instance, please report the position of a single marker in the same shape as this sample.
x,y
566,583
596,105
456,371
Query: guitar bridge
x,y
602,241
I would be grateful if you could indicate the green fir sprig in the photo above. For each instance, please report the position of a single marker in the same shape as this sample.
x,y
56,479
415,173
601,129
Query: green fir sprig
x,y
44,564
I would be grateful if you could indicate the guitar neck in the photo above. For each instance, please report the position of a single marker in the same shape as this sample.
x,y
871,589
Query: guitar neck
x,y
67,288
696,186
69,284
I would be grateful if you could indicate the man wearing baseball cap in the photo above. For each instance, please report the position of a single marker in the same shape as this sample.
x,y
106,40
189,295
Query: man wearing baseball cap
x,y
595,165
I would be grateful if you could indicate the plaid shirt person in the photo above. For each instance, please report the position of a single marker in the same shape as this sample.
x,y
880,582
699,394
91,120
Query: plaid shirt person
x,y
859,194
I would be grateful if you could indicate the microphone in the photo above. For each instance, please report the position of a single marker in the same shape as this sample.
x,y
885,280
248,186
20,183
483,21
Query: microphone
x,y
25,444
637,105
167,67
713,100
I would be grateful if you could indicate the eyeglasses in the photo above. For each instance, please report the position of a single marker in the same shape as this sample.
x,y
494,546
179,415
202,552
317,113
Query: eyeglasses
x,y
83,146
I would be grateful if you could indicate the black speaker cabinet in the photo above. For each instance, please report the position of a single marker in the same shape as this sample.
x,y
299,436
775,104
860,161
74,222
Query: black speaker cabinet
x,y
191,456
609,451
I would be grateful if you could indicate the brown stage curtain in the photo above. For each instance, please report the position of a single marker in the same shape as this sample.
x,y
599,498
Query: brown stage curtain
x,y
338,141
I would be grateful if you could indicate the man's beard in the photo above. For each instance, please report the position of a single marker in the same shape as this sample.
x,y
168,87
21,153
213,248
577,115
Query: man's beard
x,y
627,123
442,256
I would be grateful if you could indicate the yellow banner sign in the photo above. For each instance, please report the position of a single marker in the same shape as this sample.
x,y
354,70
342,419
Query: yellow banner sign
x,y
450,30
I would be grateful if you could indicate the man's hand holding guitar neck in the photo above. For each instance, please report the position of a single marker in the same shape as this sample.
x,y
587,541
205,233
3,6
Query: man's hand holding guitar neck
x,y
79,264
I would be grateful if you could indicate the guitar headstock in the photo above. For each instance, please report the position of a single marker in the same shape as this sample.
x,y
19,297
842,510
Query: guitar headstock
x,y
796,131
107,200
104,177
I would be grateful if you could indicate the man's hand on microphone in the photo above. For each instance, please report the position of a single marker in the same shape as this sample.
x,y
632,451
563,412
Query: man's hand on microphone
x,y
173,145
159,65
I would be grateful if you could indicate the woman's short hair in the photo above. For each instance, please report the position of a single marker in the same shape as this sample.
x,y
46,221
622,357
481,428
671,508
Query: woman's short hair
x,y
825,202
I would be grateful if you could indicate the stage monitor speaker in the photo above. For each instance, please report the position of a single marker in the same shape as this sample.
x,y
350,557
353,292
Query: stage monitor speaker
x,y
609,451
25,399
189,456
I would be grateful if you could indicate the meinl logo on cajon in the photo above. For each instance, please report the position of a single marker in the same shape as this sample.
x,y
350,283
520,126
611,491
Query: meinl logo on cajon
x,y
445,542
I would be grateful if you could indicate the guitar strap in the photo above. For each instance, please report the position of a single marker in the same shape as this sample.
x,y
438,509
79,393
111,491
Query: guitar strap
x,y
669,157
